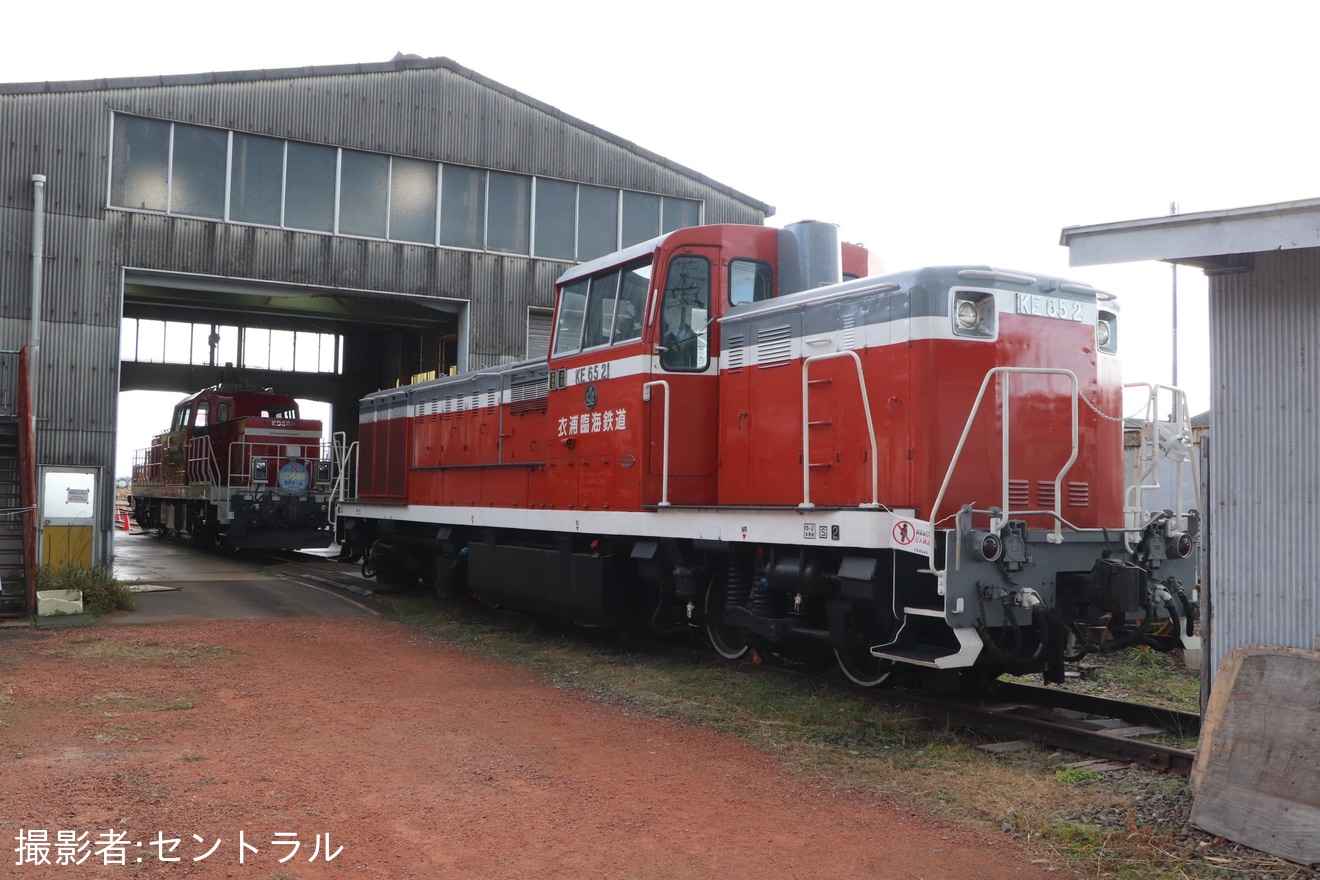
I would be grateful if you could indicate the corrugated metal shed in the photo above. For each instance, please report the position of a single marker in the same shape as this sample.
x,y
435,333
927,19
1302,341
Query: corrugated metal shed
x,y
1264,268
412,108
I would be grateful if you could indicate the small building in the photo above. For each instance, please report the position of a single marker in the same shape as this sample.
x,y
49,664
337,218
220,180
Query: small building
x,y
1263,264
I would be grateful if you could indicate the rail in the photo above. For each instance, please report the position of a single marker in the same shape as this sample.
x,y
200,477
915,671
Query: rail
x,y
201,466
344,455
664,472
806,427
1005,374
198,464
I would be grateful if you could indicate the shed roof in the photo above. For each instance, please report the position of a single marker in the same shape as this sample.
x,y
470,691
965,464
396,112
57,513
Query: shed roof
x,y
1216,241
398,63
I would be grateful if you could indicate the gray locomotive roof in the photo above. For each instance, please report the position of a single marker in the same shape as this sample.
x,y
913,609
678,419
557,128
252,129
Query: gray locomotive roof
x,y
929,284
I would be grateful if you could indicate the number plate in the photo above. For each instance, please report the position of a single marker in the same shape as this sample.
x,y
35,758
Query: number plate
x,y
1049,307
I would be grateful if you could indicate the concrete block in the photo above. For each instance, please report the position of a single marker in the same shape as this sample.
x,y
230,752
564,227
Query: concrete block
x,y
59,602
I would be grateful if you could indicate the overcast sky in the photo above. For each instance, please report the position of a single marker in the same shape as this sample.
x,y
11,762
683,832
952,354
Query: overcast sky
x,y
932,132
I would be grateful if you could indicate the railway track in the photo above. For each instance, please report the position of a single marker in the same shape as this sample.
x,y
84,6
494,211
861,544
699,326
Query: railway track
x,y
1101,727
1105,728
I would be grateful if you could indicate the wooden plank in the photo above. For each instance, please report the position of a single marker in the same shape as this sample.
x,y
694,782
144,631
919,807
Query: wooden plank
x,y
1256,780
1015,745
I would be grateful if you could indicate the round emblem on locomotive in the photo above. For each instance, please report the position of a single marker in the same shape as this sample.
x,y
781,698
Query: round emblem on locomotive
x,y
293,478
590,397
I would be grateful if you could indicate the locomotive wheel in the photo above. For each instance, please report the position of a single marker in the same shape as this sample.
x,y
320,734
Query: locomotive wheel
x,y
864,669
727,641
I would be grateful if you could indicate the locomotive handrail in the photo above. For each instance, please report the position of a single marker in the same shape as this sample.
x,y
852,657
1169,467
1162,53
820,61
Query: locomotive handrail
x,y
806,432
342,453
1005,373
1154,439
201,466
664,468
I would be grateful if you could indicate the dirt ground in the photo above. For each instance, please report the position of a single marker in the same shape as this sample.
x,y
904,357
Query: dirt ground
x,y
400,757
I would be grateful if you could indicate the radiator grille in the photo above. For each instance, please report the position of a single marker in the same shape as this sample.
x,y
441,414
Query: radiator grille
x,y
1019,494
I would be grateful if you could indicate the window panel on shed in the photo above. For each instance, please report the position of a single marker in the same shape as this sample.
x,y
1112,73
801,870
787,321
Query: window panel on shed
x,y
363,193
508,225
641,217
257,179
139,177
412,200
556,218
197,174
462,206
598,221
310,192
679,213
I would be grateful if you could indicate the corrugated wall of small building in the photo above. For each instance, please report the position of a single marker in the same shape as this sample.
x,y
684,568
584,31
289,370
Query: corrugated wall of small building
x,y
1264,459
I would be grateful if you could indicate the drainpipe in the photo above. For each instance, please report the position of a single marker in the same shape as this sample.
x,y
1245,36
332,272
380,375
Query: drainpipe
x,y
38,247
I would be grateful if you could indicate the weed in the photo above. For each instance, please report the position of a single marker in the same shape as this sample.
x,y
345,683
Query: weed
x,y
102,593
1074,776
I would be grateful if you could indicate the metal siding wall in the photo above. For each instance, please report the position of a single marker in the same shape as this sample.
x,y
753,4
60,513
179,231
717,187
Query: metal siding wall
x,y
1264,459
431,112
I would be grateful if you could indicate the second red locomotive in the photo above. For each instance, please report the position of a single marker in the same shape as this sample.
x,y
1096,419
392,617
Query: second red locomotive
x,y
237,467
736,433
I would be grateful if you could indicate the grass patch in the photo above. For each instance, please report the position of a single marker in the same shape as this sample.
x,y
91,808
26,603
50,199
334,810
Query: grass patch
x,y
181,656
102,593
830,731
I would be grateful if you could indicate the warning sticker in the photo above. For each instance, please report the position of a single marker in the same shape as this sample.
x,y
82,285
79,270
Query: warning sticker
x,y
911,536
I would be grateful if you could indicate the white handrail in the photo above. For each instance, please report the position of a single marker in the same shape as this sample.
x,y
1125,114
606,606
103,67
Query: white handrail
x,y
1005,372
806,432
664,468
1151,451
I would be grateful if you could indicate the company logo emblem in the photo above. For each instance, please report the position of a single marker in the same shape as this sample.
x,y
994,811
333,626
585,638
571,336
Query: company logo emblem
x,y
293,478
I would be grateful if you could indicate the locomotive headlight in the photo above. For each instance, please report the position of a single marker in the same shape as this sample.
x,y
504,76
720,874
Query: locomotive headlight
x,y
986,546
1180,545
973,313
1106,332
260,471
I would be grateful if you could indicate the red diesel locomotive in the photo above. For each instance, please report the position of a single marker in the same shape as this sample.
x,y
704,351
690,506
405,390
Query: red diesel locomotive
x,y
237,468
735,433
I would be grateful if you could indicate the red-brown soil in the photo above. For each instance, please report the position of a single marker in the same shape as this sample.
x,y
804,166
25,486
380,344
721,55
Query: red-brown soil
x,y
417,759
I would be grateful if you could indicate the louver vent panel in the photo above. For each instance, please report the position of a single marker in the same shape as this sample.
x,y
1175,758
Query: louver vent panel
x,y
1019,494
849,332
733,353
774,346
529,396
1079,494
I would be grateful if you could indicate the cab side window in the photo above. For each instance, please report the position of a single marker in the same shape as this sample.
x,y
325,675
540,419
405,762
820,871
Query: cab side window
x,y
749,281
201,420
685,315
631,310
